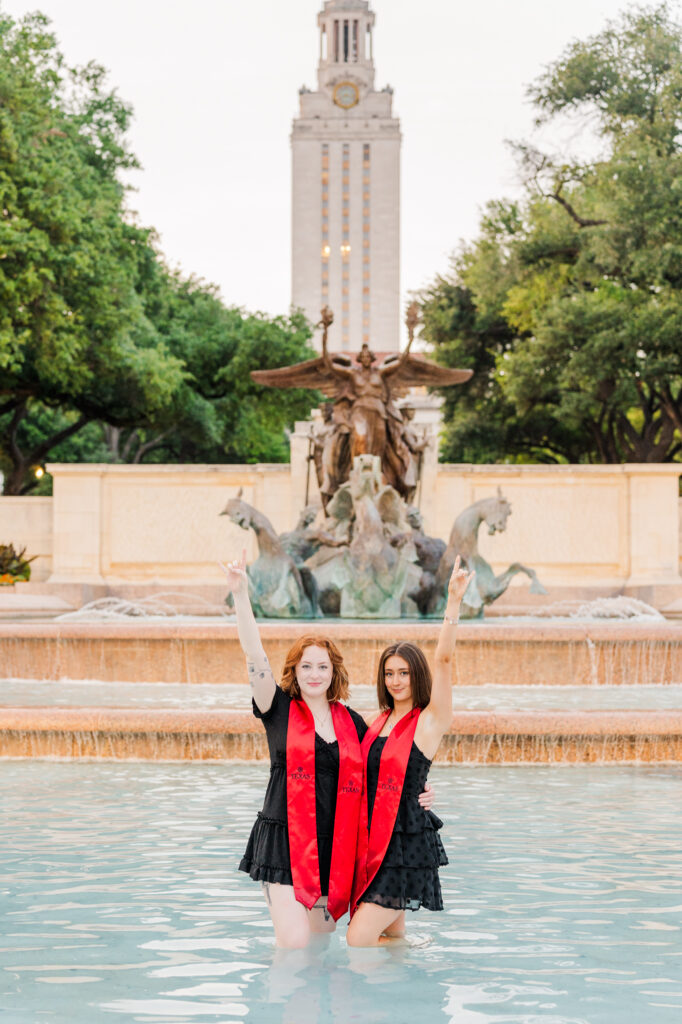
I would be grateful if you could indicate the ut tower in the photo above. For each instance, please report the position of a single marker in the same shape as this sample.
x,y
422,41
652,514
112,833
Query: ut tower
x,y
346,188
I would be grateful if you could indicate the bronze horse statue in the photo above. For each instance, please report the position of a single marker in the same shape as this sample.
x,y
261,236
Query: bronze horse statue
x,y
485,587
278,588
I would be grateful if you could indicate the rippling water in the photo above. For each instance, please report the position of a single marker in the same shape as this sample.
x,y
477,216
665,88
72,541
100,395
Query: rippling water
x,y
93,693
120,899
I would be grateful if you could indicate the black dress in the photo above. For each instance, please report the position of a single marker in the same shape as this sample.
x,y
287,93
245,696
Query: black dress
x,y
267,857
408,876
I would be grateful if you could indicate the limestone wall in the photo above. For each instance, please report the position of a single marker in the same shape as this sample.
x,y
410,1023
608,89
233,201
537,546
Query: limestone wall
x,y
609,527
27,522
158,523
593,524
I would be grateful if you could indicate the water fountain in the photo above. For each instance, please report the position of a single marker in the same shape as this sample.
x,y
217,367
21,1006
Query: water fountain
x,y
169,650
374,574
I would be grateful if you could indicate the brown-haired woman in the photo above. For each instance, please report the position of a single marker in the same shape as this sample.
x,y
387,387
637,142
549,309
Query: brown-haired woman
x,y
302,847
399,850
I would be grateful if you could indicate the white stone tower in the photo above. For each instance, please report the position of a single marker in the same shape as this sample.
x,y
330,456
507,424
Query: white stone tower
x,y
346,188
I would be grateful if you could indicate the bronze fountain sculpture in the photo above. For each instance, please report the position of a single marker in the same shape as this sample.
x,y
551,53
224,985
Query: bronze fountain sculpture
x,y
370,557
364,418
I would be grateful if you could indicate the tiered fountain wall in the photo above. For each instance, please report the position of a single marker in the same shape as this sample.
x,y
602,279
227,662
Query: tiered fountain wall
x,y
539,654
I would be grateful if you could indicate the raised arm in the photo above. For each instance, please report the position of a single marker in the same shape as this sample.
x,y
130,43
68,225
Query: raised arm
x,y
327,319
397,364
331,366
411,320
261,679
437,715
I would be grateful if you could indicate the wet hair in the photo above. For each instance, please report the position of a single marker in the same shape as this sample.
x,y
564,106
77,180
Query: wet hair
x,y
420,674
338,689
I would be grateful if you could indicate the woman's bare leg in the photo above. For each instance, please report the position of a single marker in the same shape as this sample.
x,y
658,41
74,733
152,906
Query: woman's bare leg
x,y
320,920
371,924
289,917
397,929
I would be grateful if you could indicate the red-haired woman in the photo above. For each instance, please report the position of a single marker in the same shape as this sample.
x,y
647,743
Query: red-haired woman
x,y
303,845
399,850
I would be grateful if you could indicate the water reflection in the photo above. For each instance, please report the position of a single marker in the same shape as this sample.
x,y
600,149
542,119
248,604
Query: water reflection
x,y
119,899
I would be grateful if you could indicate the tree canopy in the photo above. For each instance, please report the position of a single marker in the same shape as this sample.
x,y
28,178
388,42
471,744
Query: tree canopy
x,y
103,351
569,303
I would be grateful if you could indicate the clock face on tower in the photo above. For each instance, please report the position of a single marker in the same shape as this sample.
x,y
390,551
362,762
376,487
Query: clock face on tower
x,y
346,95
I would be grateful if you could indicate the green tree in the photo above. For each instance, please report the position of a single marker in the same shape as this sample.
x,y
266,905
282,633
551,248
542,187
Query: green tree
x,y
582,359
219,414
103,352
73,336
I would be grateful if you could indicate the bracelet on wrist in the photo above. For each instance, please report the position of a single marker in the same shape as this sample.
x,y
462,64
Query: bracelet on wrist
x,y
453,622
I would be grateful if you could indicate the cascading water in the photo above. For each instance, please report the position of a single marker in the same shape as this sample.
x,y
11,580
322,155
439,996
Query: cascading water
x,y
167,605
600,608
154,642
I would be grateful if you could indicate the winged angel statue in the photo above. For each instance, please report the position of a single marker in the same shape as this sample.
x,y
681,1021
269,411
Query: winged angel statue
x,y
364,419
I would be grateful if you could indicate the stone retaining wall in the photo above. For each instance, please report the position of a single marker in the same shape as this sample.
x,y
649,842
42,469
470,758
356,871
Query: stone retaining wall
x,y
595,529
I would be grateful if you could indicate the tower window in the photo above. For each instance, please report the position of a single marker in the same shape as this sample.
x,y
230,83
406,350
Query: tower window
x,y
345,41
336,41
354,49
325,248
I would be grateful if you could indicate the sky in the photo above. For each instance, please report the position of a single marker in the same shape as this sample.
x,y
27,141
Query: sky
x,y
214,86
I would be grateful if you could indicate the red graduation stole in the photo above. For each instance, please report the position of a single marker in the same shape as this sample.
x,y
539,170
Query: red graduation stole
x,y
301,815
373,843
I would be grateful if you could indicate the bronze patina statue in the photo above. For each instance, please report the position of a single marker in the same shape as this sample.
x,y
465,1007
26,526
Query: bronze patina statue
x,y
365,419
486,586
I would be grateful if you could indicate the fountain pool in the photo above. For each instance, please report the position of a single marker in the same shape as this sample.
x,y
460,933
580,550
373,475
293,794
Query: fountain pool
x,y
120,899
207,696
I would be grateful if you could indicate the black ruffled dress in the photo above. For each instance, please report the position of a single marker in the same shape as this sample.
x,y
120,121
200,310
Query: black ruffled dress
x,y
408,876
267,857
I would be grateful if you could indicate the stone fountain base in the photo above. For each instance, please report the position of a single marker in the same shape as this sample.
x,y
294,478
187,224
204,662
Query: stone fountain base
x,y
539,653
542,653
475,737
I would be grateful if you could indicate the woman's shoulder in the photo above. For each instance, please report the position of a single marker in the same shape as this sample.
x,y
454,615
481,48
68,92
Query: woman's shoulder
x,y
279,706
358,721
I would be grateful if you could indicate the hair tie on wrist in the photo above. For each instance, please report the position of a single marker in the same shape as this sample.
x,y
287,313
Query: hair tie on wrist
x,y
453,622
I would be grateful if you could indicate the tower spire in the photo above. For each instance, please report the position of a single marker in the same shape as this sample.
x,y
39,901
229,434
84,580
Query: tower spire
x,y
346,188
346,40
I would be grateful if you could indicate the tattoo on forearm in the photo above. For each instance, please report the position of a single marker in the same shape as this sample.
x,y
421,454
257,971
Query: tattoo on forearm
x,y
266,890
327,915
261,673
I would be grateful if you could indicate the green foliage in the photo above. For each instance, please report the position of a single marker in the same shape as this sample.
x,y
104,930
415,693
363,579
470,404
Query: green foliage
x,y
103,353
219,414
13,566
569,304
